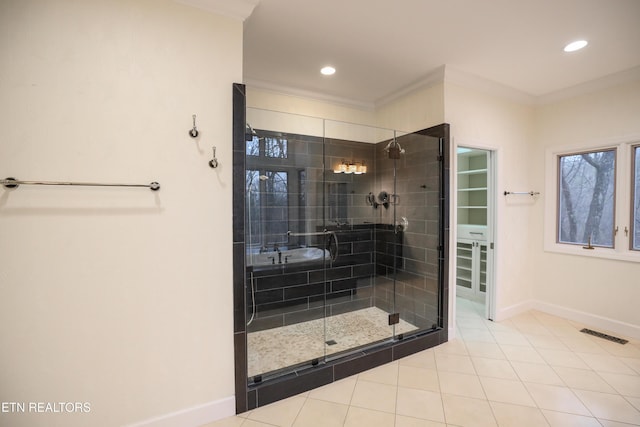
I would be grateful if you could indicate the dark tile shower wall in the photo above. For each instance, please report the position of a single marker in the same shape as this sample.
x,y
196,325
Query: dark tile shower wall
x,y
417,180
354,188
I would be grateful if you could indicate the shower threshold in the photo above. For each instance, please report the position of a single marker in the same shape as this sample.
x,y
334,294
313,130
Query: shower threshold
x,y
275,349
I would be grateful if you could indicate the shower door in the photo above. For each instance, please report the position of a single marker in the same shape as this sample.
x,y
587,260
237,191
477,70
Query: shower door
x,y
360,284
343,243
286,247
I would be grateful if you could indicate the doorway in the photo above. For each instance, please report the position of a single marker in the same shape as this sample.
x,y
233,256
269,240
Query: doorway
x,y
476,227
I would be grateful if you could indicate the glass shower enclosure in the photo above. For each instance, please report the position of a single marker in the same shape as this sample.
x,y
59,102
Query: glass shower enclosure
x,y
342,239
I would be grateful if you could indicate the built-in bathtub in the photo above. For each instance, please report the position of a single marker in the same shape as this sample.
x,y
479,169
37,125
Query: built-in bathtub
x,y
312,285
289,256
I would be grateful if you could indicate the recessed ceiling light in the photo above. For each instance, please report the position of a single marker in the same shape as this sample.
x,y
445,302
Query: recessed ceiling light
x,y
577,45
328,70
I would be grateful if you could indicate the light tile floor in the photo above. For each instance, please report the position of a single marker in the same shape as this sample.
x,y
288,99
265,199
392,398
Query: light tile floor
x,y
531,370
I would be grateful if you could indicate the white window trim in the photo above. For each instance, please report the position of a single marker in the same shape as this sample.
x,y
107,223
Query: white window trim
x,y
622,208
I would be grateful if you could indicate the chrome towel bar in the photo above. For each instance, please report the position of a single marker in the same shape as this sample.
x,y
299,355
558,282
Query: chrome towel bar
x,y
528,193
13,183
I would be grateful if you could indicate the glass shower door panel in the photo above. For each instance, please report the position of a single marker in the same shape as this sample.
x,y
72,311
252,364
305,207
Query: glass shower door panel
x,y
285,253
358,289
416,211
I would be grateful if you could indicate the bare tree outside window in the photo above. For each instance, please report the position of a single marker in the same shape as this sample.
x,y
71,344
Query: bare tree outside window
x,y
276,147
253,146
586,198
267,206
268,147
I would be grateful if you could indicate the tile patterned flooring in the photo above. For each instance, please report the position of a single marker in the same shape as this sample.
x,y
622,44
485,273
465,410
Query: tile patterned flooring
x,y
530,370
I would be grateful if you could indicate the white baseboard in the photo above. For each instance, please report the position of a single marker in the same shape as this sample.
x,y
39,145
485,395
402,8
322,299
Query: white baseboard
x,y
194,416
451,332
513,310
602,324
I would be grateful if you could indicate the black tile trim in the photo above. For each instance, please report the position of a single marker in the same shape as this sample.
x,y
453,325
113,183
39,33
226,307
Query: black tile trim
x,y
296,384
326,373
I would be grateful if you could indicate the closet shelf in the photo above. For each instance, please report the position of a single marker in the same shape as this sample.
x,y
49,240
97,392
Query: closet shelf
x,y
473,189
472,171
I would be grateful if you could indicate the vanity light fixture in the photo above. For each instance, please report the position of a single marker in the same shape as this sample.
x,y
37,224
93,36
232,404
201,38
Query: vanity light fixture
x,y
328,70
577,45
355,168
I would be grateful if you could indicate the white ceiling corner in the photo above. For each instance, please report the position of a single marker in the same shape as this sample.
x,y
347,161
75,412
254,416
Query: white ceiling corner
x,y
237,9
508,48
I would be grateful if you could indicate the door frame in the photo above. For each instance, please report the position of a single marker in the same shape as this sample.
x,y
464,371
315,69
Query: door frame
x,y
492,222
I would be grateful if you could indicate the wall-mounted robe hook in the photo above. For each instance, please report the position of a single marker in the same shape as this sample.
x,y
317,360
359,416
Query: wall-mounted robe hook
x,y
214,162
193,132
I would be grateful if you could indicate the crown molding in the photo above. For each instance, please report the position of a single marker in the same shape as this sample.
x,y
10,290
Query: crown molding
x,y
481,84
626,76
317,96
237,9
431,79
448,74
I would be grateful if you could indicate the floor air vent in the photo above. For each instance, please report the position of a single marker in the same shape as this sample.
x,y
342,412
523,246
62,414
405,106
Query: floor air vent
x,y
331,342
605,336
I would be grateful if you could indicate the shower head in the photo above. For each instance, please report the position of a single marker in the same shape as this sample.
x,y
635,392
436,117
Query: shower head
x,y
394,149
250,133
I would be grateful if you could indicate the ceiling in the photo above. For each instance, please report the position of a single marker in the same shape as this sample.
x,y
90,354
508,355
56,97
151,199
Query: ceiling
x,y
381,47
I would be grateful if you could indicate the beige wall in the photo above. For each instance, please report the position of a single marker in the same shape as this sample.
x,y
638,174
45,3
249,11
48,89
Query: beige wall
x,y
293,104
113,296
600,287
481,120
415,111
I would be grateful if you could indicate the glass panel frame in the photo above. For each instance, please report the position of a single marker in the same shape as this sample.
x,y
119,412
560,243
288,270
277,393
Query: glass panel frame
x,y
360,215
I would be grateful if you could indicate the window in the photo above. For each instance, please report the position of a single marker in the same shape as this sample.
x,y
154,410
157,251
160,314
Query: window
x,y
593,201
267,188
586,198
268,206
635,207
253,146
274,147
